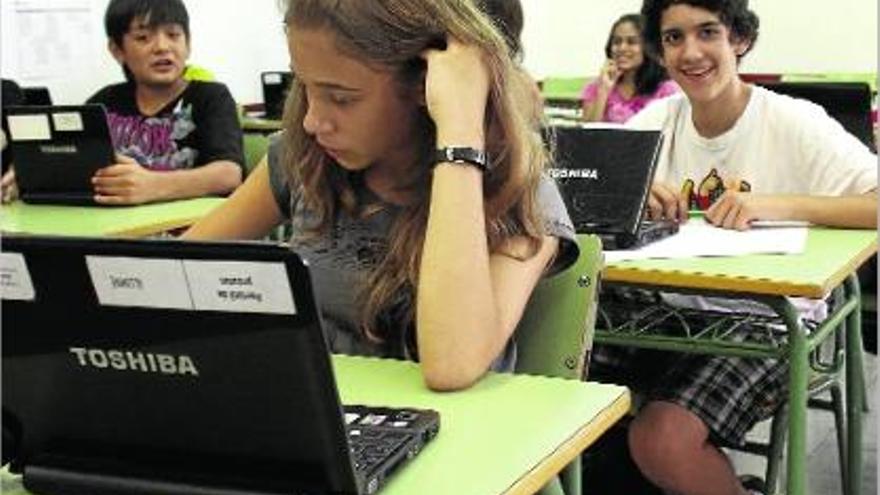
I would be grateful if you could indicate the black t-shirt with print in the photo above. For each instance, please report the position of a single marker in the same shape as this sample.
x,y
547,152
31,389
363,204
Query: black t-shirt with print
x,y
198,127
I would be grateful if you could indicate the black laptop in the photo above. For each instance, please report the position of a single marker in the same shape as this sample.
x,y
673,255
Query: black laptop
x,y
134,366
57,150
36,95
604,176
275,84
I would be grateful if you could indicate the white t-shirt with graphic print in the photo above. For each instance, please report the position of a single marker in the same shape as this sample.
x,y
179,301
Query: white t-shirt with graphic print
x,y
779,145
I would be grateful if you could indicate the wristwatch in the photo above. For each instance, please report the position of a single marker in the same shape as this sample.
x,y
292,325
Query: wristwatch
x,y
462,155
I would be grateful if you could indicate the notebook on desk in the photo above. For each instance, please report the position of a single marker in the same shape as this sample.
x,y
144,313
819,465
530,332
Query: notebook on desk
x,y
57,150
604,176
174,367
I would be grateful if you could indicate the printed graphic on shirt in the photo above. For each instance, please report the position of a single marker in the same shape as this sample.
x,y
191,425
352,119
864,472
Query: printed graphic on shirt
x,y
710,189
155,142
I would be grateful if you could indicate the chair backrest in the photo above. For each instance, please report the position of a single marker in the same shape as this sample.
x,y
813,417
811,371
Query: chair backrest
x,y
198,73
555,334
255,147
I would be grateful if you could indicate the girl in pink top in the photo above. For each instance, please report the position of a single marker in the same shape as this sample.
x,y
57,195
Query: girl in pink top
x,y
629,79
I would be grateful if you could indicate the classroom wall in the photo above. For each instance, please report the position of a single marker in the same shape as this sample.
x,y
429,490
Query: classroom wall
x,y
237,40
808,36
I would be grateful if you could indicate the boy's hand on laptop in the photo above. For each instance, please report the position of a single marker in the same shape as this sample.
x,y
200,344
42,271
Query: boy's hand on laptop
x,y
125,183
665,202
8,187
737,210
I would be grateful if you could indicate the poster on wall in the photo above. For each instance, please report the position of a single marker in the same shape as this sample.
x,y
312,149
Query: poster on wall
x,y
52,38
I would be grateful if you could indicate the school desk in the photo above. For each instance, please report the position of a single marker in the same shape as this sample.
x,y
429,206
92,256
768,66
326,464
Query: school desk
x,y
508,434
260,125
563,92
112,221
828,264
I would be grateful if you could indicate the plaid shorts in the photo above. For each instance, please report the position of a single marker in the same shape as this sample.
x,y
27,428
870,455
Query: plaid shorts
x,y
730,394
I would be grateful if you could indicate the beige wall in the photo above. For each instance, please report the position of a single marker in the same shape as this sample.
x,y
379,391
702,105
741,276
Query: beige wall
x,y
237,39
566,37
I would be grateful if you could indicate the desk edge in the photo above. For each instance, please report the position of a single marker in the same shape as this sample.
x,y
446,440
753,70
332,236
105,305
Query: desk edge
x,y
673,279
586,435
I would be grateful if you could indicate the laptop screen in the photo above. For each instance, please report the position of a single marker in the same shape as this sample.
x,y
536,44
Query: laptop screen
x,y
57,150
275,88
36,95
202,363
604,174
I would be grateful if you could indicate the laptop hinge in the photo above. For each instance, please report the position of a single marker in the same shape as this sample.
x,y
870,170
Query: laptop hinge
x,y
60,481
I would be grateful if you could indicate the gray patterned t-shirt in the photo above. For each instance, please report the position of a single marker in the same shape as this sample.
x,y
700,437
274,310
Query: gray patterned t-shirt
x,y
340,262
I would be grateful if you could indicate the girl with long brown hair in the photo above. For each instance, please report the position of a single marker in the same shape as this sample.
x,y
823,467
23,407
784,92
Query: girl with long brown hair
x,y
412,176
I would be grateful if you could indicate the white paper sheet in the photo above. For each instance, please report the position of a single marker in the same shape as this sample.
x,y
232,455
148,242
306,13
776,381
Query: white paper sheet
x,y
139,282
52,37
240,286
698,238
15,279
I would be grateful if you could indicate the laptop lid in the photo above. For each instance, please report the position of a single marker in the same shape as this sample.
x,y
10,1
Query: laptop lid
x,y
36,95
275,87
57,150
604,175
168,365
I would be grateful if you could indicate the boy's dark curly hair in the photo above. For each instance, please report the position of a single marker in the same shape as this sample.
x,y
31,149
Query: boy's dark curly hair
x,y
735,14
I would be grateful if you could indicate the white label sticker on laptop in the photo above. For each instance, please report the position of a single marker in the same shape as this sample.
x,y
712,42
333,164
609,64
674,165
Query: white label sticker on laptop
x,y
139,282
240,286
15,279
272,78
68,121
29,127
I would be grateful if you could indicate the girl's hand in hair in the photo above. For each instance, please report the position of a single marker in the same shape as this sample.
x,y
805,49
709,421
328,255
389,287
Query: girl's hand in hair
x,y
456,91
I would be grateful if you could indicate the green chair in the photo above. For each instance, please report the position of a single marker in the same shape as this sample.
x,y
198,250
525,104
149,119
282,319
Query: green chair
x,y
555,334
255,147
198,73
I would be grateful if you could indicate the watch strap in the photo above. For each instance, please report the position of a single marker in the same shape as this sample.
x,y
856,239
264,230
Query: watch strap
x,y
462,155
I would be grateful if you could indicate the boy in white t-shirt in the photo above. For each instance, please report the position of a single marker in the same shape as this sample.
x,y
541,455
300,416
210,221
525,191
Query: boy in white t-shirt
x,y
739,153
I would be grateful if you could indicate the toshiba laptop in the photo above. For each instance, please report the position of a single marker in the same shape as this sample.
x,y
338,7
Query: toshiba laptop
x,y
604,176
275,84
57,150
134,366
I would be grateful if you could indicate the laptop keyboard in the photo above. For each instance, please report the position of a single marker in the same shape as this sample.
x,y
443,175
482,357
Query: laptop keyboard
x,y
370,447
377,433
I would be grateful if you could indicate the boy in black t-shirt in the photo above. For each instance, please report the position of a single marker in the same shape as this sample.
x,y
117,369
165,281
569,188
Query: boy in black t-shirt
x,y
174,138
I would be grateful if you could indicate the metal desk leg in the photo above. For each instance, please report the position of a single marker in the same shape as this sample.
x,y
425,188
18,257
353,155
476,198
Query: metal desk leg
x,y
855,389
797,396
